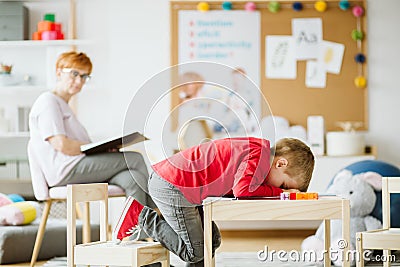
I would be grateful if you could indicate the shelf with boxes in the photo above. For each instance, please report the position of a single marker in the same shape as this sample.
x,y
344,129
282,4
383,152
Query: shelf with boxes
x,y
45,23
30,62
14,21
17,23
36,20
29,70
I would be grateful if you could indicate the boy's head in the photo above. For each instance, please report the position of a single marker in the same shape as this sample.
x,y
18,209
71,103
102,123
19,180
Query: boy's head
x,y
292,166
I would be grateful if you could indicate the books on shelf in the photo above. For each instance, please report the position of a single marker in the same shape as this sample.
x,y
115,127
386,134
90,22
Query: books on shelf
x,y
113,143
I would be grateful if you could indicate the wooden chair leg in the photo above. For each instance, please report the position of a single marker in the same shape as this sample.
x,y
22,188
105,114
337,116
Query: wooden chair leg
x,y
85,217
360,251
109,232
327,241
166,263
86,223
79,214
386,257
40,233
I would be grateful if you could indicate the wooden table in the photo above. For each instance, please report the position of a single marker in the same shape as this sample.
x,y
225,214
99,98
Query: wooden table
x,y
325,208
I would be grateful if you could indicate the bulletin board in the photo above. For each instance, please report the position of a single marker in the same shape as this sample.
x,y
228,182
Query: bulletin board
x,y
341,99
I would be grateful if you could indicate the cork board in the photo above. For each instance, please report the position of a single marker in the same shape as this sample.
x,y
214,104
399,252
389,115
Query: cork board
x,y
340,100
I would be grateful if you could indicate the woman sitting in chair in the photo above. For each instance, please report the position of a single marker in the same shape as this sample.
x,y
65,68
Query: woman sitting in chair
x,y
56,137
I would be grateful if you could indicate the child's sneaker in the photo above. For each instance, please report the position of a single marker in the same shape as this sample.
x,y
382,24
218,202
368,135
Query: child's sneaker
x,y
128,223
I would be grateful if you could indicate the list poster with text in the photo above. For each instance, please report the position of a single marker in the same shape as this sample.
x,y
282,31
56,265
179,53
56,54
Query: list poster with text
x,y
232,39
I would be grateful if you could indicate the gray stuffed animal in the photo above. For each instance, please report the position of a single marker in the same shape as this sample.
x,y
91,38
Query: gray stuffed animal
x,y
359,189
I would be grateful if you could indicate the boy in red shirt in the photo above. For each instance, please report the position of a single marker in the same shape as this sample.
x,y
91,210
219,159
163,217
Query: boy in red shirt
x,y
238,166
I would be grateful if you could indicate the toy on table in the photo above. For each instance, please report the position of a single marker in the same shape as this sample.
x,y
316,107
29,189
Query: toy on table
x,y
299,196
287,196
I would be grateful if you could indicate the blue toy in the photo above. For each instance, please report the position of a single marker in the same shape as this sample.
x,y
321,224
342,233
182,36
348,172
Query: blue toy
x,y
16,198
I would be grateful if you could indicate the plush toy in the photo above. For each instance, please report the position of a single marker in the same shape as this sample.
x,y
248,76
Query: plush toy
x,y
359,189
14,210
385,169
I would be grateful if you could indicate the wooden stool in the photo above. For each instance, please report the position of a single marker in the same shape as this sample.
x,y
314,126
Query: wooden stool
x,y
327,208
105,252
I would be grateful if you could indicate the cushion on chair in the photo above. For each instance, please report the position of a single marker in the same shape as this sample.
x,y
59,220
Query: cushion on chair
x,y
385,170
60,192
16,242
114,190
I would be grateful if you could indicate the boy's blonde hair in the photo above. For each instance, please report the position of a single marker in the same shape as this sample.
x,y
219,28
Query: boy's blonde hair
x,y
73,60
300,160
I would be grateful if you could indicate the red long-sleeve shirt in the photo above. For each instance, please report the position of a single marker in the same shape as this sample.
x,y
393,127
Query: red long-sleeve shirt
x,y
219,167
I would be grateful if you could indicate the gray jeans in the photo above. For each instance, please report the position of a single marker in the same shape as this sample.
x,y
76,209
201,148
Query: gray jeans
x,y
127,170
181,228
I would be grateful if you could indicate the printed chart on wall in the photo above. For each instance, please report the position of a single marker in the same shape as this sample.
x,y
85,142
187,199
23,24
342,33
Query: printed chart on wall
x,y
224,38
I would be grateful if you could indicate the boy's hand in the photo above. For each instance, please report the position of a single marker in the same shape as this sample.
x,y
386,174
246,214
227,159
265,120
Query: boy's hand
x,y
291,190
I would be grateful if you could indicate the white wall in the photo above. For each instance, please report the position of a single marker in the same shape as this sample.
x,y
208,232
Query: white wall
x,y
384,68
132,43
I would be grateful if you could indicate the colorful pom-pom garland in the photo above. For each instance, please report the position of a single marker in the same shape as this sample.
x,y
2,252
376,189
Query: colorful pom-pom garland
x,y
203,6
226,5
360,82
358,11
250,6
320,6
274,6
357,35
297,6
344,5
360,58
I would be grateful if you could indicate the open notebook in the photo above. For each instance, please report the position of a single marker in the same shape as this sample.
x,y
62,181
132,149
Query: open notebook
x,y
113,143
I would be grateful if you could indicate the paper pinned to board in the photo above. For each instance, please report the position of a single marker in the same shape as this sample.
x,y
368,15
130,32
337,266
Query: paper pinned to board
x,y
307,35
315,75
331,56
280,57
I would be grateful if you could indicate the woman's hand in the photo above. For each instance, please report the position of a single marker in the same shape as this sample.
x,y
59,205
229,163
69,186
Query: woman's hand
x,y
65,145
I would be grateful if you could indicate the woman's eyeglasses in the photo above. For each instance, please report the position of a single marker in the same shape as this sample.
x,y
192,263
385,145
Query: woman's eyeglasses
x,y
74,73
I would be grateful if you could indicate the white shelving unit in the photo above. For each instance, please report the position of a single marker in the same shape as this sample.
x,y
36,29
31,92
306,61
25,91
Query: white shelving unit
x,y
18,89
31,43
35,59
